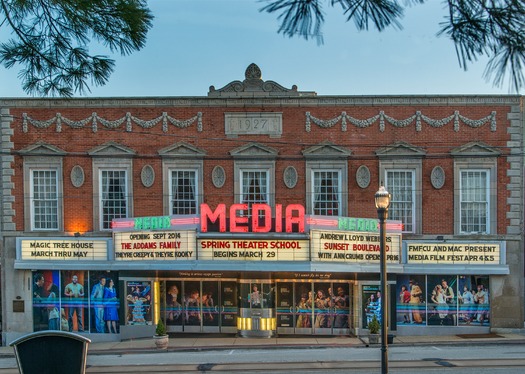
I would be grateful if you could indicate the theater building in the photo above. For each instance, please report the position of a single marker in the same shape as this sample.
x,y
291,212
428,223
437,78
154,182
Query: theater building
x,y
251,211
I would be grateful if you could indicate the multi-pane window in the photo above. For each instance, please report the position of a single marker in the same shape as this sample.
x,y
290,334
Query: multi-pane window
x,y
474,201
401,185
326,193
183,199
44,199
113,196
254,187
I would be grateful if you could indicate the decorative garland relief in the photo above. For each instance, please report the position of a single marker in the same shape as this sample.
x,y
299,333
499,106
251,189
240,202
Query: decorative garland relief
x,y
418,117
94,120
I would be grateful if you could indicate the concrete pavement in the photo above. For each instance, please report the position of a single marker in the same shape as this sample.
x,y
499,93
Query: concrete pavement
x,y
195,342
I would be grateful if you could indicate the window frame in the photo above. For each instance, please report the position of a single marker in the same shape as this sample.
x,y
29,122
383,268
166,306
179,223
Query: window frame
x,y
486,202
388,184
471,164
476,156
173,164
339,199
413,165
42,163
313,166
196,191
116,164
242,166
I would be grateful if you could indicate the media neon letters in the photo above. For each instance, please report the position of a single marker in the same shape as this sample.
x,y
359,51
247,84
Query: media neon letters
x,y
239,222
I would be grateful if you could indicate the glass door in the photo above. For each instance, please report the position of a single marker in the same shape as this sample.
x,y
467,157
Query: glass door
x,y
173,307
229,306
331,308
313,308
341,308
322,304
210,306
192,306
285,308
303,308
199,305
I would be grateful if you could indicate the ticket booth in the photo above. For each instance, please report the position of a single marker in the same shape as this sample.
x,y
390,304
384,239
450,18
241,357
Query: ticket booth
x,y
257,309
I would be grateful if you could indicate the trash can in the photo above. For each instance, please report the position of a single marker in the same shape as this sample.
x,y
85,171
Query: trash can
x,y
50,351
390,339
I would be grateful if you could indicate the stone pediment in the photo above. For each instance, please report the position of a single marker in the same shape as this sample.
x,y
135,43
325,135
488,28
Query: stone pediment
x,y
255,86
111,149
475,149
400,150
182,150
254,150
326,150
42,149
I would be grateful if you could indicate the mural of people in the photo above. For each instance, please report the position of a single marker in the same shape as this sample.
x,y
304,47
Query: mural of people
x,y
416,299
52,309
111,304
370,303
404,298
193,316
304,310
39,309
173,304
341,305
74,292
482,299
97,301
321,308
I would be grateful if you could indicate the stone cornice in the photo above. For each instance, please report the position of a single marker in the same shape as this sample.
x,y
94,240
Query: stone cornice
x,y
319,101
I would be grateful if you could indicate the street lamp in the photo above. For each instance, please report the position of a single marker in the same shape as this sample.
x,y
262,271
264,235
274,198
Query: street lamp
x,y
382,199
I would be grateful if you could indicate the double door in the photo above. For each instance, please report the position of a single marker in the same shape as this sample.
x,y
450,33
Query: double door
x,y
200,305
313,307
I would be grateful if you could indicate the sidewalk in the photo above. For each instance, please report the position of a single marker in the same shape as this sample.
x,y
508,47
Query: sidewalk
x,y
197,342
211,342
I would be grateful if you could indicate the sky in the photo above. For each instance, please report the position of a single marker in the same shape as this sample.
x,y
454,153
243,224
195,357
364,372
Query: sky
x,y
195,44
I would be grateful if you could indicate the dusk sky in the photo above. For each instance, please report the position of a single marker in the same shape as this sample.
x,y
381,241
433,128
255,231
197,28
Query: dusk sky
x,y
198,43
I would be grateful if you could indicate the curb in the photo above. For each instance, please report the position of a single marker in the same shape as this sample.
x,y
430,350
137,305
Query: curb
x,y
364,345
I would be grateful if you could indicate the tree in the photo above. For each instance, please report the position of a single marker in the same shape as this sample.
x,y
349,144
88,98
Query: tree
x,y
51,39
494,28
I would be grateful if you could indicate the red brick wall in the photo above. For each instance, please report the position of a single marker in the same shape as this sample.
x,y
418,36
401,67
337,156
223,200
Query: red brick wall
x,y
438,205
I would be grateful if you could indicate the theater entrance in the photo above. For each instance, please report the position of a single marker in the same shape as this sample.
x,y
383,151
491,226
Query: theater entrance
x,y
199,305
257,307
319,307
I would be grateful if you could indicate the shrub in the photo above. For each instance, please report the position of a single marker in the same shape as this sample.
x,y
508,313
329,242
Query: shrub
x,y
161,328
374,326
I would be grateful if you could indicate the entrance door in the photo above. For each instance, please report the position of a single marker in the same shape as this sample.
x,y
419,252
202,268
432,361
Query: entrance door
x,y
323,308
192,306
285,308
303,308
313,308
200,306
331,308
173,313
341,308
210,303
228,306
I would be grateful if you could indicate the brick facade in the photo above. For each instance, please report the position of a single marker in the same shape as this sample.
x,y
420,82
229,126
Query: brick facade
x,y
440,125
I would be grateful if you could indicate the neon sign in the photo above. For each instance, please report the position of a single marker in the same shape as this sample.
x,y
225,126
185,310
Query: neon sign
x,y
293,214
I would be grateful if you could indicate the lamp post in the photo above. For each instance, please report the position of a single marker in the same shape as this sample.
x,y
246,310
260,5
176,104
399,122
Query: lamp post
x,y
382,199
